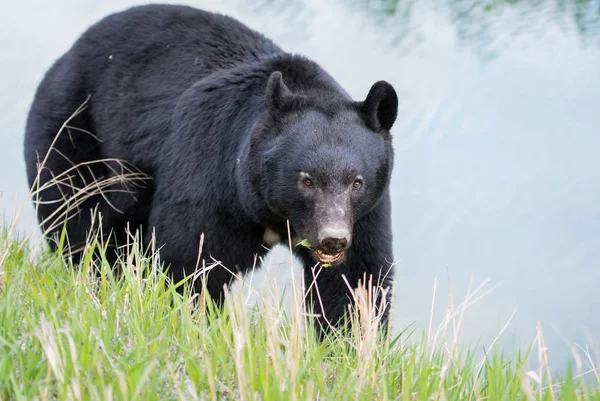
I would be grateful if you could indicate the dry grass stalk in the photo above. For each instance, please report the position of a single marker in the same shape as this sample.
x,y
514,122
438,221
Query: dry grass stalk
x,y
123,178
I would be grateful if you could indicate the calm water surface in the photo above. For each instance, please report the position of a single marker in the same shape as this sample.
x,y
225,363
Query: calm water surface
x,y
497,142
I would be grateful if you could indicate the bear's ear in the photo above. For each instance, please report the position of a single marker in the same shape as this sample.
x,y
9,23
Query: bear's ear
x,y
380,108
277,95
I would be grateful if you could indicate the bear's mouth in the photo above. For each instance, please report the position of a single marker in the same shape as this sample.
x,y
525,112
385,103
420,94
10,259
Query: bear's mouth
x,y
327,258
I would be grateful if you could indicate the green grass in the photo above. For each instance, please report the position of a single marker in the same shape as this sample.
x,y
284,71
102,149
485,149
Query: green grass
x,y
67,334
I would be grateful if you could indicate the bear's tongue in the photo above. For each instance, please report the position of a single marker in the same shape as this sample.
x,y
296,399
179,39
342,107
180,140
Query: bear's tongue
x,y
326,258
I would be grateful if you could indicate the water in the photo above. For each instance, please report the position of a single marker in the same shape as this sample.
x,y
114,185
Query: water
x,y
496,171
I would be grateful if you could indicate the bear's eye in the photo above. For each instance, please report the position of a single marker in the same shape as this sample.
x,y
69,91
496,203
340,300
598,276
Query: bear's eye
x,y
308,182
357,184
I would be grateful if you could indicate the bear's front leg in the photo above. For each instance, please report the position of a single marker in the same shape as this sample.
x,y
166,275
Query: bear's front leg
x,y
229,247
368,263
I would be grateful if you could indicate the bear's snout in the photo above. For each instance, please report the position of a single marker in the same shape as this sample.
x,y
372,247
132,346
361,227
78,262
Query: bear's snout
x,y
334,240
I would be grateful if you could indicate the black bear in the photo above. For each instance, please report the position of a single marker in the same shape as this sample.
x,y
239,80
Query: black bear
x,y
185,122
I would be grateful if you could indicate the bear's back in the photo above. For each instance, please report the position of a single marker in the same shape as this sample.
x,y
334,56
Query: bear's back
x,y
143,59
156,36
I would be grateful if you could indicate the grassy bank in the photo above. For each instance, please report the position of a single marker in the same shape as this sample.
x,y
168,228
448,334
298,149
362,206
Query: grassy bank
x,y
66,334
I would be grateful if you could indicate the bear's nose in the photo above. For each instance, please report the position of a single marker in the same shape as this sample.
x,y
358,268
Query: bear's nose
x,y
334,241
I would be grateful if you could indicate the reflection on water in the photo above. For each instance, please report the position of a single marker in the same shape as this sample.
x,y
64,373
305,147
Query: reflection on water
x,y
496,144
479,23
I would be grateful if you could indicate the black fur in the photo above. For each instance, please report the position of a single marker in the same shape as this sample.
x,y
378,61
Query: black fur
x,y
223,121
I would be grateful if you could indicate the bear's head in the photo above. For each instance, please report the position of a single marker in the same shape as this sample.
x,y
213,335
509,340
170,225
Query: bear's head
x,y
324,160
